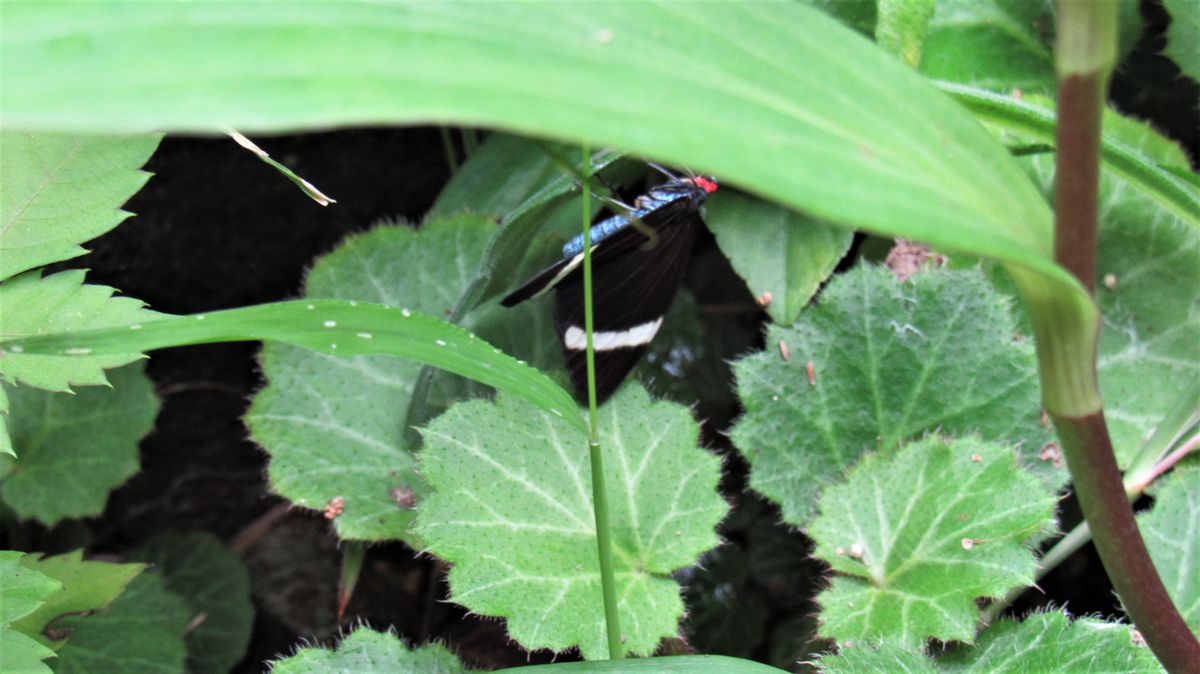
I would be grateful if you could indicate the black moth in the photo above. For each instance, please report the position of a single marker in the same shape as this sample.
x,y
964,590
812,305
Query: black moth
x,y
637,268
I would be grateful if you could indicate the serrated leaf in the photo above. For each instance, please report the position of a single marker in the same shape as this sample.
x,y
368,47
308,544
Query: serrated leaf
x,y
1172,534
87,586
365,650
1050,642
335,427
679,664
22,591
876,659
912,561
31,305
891,360
1148,289
141,632
776,250
58,191
215,585
1183,36
75,448
511,510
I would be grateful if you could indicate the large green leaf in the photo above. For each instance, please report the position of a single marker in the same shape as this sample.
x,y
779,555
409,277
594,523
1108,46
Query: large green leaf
x,y
684,664
1183,36
336,427
75,448
22,590
1172,532
58,191
776,250
891,361
912,560
141,632
1148,288
86,586
31,305
365,650
511,511
215,585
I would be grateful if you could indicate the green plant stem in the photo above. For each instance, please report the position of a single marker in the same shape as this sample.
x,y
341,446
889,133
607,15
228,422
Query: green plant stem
x,y
608,585
1084,56
448,148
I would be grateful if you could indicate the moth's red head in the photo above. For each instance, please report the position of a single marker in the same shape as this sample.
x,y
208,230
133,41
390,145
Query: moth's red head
x,y
708,183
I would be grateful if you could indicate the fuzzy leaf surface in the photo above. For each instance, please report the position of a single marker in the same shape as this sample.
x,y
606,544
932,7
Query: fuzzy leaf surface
x,y
75,449
335,427
876,659
1183,36
58,191
511,511
365,650
139,633
31,305
87,586
1148,289
776,250
892,360
1051,642
214,583
916,537
1172,533
22,591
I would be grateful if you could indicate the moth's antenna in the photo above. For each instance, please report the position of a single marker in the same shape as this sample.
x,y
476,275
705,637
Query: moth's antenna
x,y
662,170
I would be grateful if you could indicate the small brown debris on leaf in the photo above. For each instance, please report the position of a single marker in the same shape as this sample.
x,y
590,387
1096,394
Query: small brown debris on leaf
x,y
856,551
906,258
783,351
334,507
977,458
1110,281
403,496
764,299
812,373
1049,452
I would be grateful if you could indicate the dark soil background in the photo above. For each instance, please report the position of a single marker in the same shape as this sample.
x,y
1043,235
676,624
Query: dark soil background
x,y
216,228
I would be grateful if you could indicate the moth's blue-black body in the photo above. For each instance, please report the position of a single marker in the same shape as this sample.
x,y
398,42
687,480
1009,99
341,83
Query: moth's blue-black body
x,y
638,262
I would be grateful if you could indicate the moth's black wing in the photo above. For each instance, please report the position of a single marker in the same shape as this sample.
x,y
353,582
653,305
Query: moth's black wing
x,y
632,287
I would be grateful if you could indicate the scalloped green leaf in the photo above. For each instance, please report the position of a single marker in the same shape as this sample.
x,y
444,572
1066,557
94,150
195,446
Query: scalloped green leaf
x,y
1172,534
875,659
1183,36
215,584
776,250
911,562
511,510
335,427
675,664
86,586
141,632
75,448
22,591
1050,642
892,360
31,305
365,650
58,191
1148,290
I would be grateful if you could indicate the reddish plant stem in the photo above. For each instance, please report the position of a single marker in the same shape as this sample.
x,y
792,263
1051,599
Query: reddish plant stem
x,y
1102,497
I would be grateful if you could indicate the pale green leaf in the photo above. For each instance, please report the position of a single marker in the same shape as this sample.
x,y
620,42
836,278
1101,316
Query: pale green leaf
x,y
1183,36
58,191
776,250
215,584
22,591
1050,642
902,27
511,511
1004,44
87,586
1172,534
917,537
75,448
681,664
1148,288
141,632
365,650
335,427
876,659
891,361
31,305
